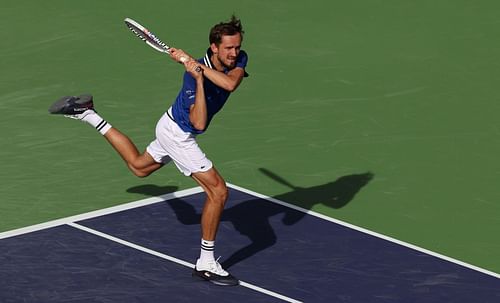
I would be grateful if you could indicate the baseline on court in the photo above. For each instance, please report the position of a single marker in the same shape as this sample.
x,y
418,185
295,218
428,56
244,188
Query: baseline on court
x,y
293,255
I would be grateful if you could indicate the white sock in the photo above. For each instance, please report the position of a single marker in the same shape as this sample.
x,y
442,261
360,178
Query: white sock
x,y
207,251
97,122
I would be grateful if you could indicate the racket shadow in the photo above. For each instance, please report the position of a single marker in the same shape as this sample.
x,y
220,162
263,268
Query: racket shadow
x,y
336,194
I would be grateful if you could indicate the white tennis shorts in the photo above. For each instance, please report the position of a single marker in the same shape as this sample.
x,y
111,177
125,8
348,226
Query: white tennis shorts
x,y
174,144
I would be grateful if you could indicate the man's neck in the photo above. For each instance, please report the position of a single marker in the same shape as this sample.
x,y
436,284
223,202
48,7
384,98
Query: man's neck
x,y
217,64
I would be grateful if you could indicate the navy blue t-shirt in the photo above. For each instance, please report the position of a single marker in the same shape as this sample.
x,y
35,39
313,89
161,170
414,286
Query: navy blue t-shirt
x,y
214,95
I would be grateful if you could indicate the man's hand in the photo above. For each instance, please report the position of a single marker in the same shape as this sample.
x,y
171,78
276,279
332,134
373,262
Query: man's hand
x,y
194,68
179,55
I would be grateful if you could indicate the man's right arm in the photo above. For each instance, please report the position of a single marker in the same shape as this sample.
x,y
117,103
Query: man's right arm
x,y
198,115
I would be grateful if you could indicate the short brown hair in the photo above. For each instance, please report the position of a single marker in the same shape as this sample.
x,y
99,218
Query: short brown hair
x,y
232,27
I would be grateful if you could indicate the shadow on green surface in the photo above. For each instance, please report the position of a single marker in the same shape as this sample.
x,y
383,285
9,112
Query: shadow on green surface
x,y
336,194
152,190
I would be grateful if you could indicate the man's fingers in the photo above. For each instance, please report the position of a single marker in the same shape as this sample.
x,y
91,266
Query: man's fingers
x,y
193,66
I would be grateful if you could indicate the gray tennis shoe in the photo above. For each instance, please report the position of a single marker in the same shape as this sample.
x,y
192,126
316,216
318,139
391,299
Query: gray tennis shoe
x,y
75,107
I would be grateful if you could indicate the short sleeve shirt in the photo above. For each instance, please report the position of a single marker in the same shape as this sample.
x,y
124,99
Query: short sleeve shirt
x,y
215,96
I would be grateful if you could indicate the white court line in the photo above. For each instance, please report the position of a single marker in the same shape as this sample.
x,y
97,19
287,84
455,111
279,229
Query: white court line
x,y
195,190
100,212
175,260
369,232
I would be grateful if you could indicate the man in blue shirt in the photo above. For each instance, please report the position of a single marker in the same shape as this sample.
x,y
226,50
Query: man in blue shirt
x,y
207,84
215,95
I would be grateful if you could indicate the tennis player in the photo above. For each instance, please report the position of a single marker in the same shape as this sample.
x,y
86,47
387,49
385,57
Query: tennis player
x,y
207,84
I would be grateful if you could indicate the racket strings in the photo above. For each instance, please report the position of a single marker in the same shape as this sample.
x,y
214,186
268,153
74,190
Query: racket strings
x,y
136,31
148,37
156,39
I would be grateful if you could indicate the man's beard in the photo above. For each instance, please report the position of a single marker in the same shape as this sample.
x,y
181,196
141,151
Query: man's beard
x,y
224,64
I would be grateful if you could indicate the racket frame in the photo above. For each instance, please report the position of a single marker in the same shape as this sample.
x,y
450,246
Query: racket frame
x,y
147,36
151,39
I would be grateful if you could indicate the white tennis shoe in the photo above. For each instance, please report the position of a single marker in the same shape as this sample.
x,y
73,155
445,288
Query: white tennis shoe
x,y
213,272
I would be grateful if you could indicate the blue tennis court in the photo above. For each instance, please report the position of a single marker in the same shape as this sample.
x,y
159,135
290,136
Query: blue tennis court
x,y
144,251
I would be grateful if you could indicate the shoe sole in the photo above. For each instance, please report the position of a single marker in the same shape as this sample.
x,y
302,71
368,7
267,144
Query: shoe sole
x,y
59,106
235,282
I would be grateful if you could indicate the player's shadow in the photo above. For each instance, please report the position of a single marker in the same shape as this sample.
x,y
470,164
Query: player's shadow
x,y
152,190
251,218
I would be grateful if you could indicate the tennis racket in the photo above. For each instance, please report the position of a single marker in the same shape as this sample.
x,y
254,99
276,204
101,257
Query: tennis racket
x,y
148,37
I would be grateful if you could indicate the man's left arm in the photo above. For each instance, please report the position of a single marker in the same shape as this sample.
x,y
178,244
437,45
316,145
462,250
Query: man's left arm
x,y
229,81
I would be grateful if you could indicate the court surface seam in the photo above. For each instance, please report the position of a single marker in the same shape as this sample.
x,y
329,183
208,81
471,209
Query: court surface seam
x,y
195,190
174,260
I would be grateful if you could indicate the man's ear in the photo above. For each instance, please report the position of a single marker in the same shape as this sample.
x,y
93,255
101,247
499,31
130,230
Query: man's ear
x,y
214,48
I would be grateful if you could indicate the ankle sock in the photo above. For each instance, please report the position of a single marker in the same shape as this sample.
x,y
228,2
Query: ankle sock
x,y
207,251
97,122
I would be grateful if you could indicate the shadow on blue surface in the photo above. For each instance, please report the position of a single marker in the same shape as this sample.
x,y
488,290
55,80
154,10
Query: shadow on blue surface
x,y
270,245
251,219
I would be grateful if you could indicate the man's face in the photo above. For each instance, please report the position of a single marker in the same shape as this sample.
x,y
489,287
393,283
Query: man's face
x,y
227,51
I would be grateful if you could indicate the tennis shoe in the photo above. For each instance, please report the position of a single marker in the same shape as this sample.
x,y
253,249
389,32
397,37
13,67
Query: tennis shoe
x,y
74,107
213,272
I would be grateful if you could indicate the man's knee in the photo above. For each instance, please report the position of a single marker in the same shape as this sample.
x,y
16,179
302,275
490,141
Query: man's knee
x,y
141,173
213,184
220,192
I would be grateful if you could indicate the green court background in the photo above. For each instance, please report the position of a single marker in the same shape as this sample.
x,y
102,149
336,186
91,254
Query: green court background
x,y
405,90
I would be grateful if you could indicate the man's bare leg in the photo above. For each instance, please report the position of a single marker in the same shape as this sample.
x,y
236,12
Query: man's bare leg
x,y
216,191
82,108
141,165
206,266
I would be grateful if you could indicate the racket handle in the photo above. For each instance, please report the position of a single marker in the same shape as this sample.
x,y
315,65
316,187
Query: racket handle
x,y
185,59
